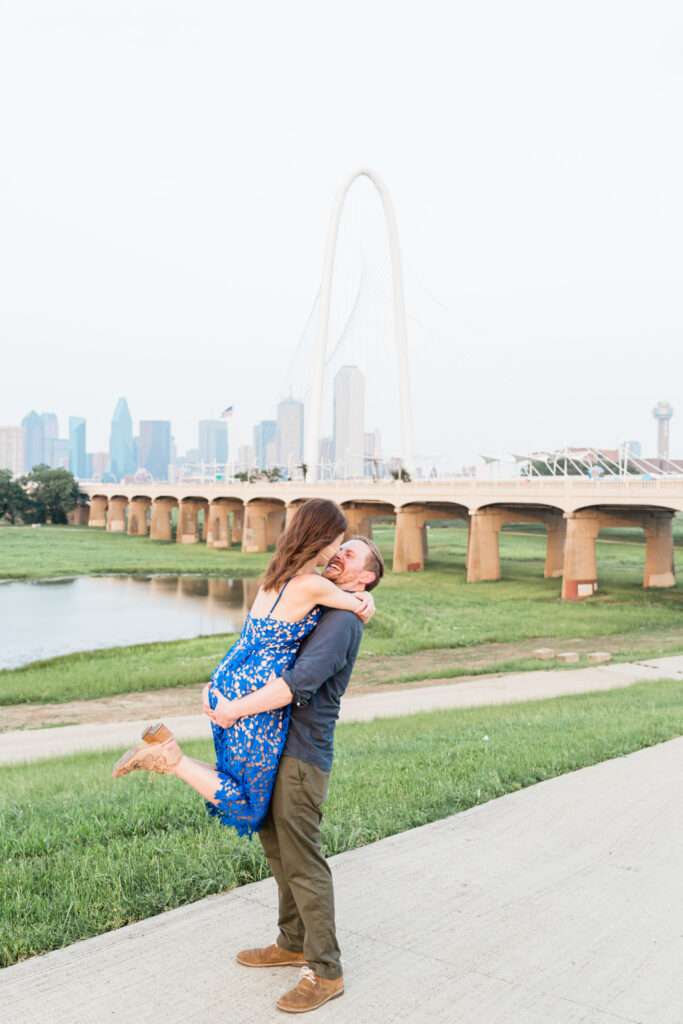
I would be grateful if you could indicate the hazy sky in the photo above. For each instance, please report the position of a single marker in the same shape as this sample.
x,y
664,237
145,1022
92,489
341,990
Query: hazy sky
x,y
168,171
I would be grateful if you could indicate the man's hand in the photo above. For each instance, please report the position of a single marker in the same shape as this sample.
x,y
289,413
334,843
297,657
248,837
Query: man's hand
x,y
366,607
223,715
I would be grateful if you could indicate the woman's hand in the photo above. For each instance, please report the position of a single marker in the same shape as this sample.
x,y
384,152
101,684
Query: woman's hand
x,y
223,715
366,607
205,699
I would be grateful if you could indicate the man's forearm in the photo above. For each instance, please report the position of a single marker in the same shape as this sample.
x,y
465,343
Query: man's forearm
x,y
275,694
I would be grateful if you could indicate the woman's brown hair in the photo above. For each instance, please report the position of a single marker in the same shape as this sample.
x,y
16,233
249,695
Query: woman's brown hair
x,y
314,525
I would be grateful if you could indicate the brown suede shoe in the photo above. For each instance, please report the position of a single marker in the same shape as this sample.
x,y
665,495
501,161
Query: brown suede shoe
x,y
311,992
270,956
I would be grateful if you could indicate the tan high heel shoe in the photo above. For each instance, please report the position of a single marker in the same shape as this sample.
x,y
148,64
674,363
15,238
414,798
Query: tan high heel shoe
x,y
148,758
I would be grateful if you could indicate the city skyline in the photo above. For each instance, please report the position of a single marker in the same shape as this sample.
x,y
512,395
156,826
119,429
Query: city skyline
x,y
351,451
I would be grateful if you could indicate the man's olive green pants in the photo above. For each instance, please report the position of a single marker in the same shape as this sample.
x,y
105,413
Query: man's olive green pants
x,y
290,836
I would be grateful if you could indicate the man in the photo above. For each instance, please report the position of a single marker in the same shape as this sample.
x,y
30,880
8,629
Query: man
x,y
290,834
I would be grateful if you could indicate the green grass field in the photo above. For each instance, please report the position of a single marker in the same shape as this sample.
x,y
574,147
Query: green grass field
x,y
416,611
30,553
83,854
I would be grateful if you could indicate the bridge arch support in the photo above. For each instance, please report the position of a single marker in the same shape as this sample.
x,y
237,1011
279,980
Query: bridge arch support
x,y
313,424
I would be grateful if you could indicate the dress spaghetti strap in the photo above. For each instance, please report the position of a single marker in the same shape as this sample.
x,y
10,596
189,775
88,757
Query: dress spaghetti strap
x,y
279,596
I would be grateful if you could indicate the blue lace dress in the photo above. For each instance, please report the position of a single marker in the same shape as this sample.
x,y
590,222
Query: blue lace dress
x,y
248,754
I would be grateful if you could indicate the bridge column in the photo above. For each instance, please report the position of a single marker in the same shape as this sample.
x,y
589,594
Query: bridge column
x,y
237,526
137,516
116,520
580,565
160,522
80,516
409,541
255,536
556,527
357,522
98,511
483,556
203,506
218,518
659,551
275,525
188,523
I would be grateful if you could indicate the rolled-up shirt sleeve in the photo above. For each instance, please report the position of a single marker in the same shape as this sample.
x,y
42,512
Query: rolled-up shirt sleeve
x,y
323,653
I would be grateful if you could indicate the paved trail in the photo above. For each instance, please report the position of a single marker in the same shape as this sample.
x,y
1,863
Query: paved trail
x,y
553,905
31,745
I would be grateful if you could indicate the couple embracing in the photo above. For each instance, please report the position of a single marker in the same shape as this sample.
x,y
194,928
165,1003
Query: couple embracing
x,y
274,702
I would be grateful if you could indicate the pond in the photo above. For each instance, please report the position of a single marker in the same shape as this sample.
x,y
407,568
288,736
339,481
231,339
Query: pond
x,y
44,618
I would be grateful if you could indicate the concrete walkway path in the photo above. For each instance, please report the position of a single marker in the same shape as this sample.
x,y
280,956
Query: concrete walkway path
x,y
30,745
553,905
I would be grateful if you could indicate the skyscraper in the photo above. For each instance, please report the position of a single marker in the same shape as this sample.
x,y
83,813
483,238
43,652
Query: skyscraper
x,y
245,457
99,464
290,433
55,448
12,454
77,464
373,454
264,443
349,413
34,440
57,452
50,426
213,441
122,458
154,453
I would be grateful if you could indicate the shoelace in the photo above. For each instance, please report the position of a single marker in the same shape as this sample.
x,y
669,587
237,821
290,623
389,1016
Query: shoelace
x,y
307,975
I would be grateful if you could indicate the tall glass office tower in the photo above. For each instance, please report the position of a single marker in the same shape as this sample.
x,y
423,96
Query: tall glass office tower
x,y
122,458
77,464
290,434
349,431
154,451
213,441
34,442
265,452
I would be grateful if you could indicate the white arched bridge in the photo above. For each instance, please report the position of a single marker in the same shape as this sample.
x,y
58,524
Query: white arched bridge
x,y
252,515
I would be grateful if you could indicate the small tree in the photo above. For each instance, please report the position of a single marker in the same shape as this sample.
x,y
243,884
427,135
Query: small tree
x,y
273,474
303,466
13,498
401,474
51,494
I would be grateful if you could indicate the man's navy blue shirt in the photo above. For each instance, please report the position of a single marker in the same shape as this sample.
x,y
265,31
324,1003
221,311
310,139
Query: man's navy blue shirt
x,y
318,680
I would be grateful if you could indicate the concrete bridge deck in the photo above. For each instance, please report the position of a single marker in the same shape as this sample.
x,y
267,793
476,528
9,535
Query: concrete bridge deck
x,y
572,510
552,905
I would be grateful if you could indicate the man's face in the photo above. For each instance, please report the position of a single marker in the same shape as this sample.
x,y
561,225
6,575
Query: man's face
x,y
347,568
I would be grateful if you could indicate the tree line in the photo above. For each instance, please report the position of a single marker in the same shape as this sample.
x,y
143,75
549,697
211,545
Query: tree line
x,y
42,496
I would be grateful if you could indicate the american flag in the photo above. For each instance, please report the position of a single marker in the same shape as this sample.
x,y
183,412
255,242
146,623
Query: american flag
x,y
226,412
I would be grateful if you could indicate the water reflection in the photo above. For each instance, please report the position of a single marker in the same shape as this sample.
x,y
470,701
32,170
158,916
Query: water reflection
x,y
45,618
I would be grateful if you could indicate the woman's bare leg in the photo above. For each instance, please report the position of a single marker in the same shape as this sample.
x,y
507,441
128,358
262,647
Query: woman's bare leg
x,y
201,776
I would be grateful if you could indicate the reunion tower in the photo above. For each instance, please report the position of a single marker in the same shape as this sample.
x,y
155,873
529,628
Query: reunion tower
x,y
663,412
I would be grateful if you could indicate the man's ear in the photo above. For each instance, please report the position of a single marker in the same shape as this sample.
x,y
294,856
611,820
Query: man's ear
x,y
366,577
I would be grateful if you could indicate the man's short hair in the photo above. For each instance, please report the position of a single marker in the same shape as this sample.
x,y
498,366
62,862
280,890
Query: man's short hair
x,y
374,561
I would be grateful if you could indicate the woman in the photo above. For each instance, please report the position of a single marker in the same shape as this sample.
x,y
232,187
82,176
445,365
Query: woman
x,y
238,789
